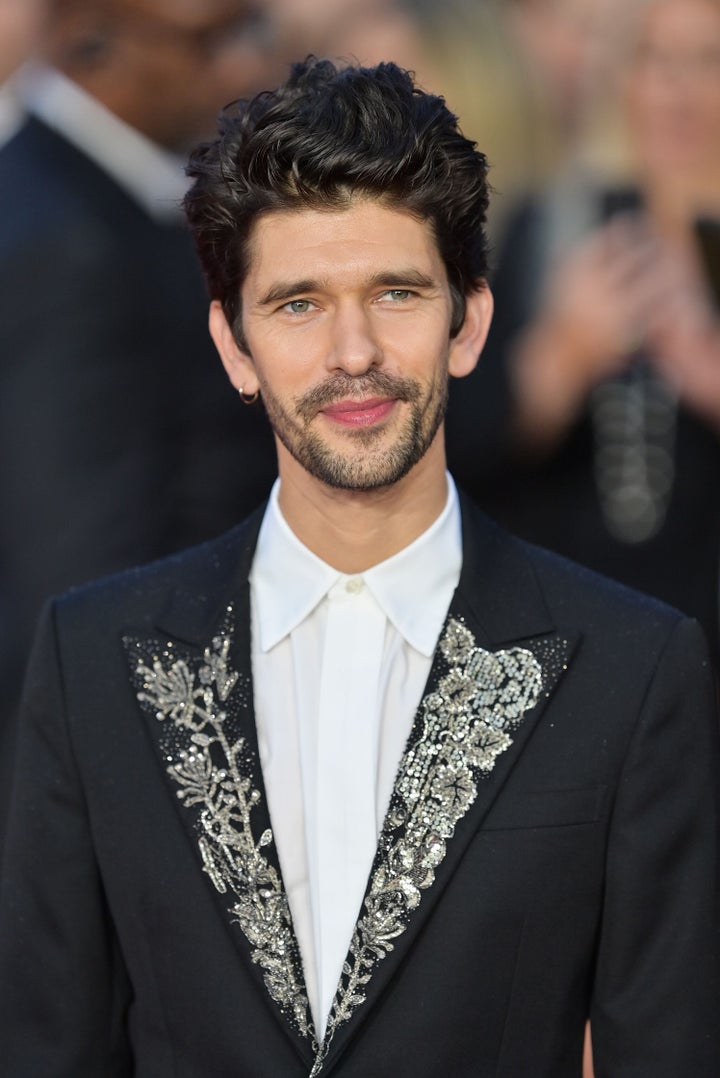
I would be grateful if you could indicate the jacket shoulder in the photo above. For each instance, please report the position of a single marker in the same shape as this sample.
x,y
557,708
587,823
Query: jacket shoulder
x,y
139,594
575,598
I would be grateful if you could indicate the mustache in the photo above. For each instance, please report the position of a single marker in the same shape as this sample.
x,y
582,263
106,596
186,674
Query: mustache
x,y
341,386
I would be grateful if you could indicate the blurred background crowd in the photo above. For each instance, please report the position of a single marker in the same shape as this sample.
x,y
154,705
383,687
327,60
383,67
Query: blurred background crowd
x,y
592,424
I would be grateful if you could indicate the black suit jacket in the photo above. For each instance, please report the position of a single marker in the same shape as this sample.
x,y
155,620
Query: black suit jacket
x,y
549,854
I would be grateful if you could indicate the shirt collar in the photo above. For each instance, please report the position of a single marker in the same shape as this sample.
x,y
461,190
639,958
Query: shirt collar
x,y
153,177
289,581
429,567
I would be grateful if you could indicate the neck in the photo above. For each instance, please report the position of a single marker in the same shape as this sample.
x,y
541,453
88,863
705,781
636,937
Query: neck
x,y
353,530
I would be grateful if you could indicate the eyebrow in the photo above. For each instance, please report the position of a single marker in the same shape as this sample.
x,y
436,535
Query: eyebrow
x,y
399,278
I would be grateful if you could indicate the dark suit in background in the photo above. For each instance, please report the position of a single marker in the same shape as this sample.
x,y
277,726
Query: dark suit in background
x,y
559,862
120,438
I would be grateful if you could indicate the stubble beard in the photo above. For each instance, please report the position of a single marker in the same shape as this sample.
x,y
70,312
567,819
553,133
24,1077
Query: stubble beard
x,y
363,466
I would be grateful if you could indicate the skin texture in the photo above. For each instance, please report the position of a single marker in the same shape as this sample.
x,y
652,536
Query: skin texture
x,y
346,315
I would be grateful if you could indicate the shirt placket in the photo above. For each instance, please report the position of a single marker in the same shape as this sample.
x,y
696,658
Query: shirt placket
x,y
347,747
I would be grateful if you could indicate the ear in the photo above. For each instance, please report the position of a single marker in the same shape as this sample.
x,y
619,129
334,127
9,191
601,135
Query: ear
x,y
466,346
238,364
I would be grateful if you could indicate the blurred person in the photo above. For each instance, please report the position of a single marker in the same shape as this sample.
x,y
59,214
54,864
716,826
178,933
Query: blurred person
x,y
470,57
367,30
119,439
548,63
365,787
20,25
564,52
605,352
458,49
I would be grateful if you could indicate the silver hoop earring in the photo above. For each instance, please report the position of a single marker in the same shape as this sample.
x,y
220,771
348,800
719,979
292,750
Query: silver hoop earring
x,y
248,398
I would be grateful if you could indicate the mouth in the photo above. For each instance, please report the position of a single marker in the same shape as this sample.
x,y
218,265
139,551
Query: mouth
x,y
365,413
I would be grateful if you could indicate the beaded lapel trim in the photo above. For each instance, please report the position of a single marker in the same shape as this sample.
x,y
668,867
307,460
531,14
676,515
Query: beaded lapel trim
x,y
198,701
476,700
463,725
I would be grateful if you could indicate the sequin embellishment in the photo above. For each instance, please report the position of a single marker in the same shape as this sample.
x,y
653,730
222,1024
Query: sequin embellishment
x,y
477,699
216,773
463,726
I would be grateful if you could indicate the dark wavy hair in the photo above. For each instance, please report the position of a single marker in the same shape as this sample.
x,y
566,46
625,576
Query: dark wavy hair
x,y
327,135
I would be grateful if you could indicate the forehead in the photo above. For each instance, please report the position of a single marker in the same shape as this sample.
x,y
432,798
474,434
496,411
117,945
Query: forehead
x,y
366,237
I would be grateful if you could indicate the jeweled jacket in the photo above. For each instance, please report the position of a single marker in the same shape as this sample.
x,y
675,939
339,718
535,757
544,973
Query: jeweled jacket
x,y
549,854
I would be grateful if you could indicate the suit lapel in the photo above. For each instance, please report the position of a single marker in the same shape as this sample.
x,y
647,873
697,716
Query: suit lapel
x,y
498,660
193,683
496,664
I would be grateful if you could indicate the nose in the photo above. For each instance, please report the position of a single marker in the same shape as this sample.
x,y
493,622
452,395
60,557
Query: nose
x,y
354,346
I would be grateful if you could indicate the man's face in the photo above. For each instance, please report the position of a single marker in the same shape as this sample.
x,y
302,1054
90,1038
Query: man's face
x,y
346,317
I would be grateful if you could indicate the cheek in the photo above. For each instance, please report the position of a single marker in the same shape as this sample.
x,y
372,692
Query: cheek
x,y
282,358
416,345
287,379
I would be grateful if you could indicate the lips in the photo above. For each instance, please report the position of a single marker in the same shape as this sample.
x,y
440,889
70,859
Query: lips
x,y
364,413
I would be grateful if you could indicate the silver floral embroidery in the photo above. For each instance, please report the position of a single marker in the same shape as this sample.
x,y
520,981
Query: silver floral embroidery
x,y
465,724
462,727
214,773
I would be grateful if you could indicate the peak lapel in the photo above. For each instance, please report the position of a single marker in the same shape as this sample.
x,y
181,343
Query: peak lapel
x,y
497,662
487,690
193,685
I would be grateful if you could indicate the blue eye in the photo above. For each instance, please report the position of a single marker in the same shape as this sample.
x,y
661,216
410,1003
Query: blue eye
x,y
298,306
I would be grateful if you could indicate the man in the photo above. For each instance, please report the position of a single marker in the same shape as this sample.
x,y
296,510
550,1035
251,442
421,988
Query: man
x,y
118,436
365,787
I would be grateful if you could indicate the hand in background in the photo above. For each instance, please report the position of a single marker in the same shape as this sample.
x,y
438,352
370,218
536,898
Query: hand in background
x,y
619,290
683,335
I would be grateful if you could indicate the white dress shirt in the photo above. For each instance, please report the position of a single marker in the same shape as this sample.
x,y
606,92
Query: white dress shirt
x,y
339,667
153,177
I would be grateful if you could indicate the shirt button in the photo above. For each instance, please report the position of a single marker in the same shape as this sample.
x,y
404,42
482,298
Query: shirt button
x,y
354,585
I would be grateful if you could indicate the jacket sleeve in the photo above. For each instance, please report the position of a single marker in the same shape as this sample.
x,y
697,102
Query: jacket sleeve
x,y
63,988
655,1010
